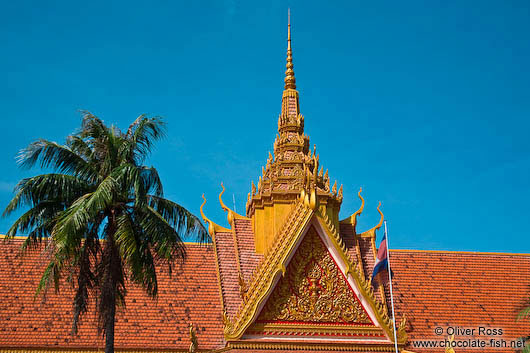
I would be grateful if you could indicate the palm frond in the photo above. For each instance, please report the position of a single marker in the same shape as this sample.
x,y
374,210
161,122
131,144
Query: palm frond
x,y
50,276
86,279
135,250
142,133
164,238
39,219
58,187
179,217
81,148
524,314
152,181
58,157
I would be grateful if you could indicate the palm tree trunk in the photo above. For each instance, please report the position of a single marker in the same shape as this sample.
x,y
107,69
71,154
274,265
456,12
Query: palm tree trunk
x,y
113,268
109,328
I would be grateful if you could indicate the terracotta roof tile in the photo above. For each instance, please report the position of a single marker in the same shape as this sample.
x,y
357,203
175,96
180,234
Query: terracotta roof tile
x,y
226,254
443,289
249,259
191,294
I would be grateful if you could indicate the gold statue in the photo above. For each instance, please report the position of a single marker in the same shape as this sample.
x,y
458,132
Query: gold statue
x,y
193,339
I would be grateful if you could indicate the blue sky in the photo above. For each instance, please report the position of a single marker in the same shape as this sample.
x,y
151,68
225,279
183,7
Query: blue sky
x,y
426,105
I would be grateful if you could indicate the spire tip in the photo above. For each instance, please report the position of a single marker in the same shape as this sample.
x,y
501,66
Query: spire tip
x,y
289,73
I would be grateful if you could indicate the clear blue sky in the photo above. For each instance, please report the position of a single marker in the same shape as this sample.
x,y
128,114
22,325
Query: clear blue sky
x,y
426,105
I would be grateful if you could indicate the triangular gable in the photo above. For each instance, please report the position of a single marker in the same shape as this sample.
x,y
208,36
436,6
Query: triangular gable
x,y
314,297
373,324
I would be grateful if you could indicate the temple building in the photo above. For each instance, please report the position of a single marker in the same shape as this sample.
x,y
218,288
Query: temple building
x,y
288,276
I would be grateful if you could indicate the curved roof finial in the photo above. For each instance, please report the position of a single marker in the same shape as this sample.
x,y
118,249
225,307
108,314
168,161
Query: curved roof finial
x,y
371,232
223,206
290,82
353,218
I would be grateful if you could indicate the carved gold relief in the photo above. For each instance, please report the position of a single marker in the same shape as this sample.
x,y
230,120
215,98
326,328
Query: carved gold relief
x,y
313,290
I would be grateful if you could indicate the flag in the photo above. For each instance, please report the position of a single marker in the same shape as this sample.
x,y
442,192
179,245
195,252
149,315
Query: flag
x,y
381,262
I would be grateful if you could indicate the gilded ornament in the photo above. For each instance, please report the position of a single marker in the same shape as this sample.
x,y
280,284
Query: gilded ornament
x,y
193,339
313,290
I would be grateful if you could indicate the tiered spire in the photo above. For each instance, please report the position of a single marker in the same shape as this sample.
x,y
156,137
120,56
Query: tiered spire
x,y
293,167
290,82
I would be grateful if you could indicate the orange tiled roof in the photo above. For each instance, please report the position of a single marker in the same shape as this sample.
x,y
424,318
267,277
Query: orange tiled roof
x,y
191,295
431,289
442,289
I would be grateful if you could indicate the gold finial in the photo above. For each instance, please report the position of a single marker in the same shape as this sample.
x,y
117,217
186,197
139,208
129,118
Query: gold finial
x,y
290,82
193,339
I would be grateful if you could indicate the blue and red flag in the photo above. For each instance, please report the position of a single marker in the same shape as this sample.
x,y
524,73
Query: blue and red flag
x,y
381,262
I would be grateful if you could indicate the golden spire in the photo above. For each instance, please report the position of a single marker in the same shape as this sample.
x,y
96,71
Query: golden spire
x,y
290,82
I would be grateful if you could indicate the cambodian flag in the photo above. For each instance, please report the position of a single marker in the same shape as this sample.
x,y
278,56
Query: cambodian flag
x,y
381,262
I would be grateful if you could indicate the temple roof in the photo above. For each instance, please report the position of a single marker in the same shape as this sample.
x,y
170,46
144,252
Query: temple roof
x,y
431,289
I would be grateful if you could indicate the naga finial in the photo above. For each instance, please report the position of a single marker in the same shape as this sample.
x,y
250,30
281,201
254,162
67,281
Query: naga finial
x,y
206,220
212,227
231,214
223,206
193,339
371,232
353,218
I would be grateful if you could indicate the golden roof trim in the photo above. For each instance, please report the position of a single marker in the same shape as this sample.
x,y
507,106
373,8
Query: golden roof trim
x,y
318,346
371,232
353,218
212,227
232,215
290,329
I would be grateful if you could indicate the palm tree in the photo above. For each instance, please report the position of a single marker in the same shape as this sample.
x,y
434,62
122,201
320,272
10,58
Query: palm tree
x,y
102,215
525,315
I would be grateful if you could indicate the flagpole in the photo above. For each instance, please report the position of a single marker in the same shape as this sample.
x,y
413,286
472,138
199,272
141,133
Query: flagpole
x,y
391,295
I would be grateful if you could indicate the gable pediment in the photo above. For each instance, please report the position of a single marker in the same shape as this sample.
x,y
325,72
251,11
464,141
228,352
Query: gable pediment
x,y
313,290
314,297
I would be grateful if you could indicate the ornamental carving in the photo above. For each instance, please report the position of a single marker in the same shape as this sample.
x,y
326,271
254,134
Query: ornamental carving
x,y
313,290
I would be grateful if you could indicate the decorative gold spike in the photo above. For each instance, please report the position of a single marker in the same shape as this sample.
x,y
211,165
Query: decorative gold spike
x,y
243,287
193,339
290,82
253,188
212,227
450,349
334,188
371,232
353,218
223,206
340,192
231,214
